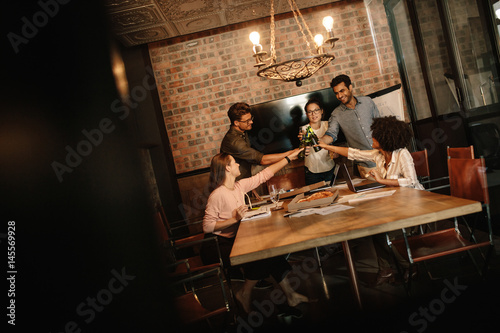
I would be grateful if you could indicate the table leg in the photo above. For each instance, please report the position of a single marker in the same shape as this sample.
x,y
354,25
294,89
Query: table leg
x,y
325,287
352,272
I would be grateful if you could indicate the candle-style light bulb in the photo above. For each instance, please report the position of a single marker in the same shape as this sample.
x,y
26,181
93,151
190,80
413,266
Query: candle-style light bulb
x,y
328,23
255,38
318,39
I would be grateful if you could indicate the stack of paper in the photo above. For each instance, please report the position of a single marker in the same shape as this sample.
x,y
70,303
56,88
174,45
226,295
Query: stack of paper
x,y
320,211
365,196
256,214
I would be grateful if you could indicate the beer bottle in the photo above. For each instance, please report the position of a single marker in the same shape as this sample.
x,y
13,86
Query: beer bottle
x,y
303,143
313,138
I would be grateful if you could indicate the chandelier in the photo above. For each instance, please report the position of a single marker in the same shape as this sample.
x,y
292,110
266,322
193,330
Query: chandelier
x,y
295,69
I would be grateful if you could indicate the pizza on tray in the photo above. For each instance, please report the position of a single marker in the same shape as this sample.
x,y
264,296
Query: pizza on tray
x,y
317,195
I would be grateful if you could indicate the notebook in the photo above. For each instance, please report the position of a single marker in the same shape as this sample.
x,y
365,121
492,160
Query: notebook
x,y
360,188
332,182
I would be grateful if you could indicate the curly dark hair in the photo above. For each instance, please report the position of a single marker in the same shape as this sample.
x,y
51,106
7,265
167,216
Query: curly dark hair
x,y
339,79
238,110
391,133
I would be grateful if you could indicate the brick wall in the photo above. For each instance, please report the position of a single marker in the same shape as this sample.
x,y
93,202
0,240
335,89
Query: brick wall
x,y
199,77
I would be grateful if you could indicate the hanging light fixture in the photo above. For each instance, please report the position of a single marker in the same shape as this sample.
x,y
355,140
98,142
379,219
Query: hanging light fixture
x,y
295,69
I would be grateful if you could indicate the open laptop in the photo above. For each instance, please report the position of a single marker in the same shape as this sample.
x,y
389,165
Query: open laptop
x,y
332,182
360,188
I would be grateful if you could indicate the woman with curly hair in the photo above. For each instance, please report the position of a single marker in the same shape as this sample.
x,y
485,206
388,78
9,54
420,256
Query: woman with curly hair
x,y
394,167
394,164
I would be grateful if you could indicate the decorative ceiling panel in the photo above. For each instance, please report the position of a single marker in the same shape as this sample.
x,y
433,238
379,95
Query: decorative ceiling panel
x,y
201,22
184,9
146,35
136,18
250,10
119,5
138,22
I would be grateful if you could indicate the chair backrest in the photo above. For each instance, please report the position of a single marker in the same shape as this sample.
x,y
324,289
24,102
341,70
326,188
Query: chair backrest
x,y
460,152
287,181
180,228
468,179
421,163
167,255
203,298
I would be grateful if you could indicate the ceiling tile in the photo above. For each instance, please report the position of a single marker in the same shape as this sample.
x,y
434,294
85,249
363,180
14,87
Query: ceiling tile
x,y
136,18
143,21
143,36
119,5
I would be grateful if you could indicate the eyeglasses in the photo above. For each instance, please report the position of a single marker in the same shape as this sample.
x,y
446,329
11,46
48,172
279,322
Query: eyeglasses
x,y
246,121
313,111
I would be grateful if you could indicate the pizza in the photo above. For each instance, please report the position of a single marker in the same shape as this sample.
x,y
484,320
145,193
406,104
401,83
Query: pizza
x,y
316,196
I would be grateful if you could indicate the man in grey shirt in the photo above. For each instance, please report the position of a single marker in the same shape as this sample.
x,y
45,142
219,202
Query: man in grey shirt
x,y
354,116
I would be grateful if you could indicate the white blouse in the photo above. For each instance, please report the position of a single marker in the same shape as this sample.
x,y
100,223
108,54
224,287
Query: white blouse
x,y
401,166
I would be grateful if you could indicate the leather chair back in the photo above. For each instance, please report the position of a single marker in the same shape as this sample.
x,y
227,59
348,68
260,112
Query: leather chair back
x,y
468,179
421,163
460,152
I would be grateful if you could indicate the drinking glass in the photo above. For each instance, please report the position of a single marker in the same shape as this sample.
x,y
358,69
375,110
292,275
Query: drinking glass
x,y
274,195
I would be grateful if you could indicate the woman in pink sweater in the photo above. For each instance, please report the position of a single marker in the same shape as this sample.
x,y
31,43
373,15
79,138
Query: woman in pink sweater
x,y
224,211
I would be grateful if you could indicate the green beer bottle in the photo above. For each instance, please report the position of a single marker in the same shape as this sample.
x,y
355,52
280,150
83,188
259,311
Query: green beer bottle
x,y
304,143
313,138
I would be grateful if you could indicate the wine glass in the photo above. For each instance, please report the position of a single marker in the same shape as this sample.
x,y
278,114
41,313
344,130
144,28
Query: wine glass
x,y
274,195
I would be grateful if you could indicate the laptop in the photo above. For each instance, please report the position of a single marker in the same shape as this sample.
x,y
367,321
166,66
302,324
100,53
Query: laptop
x,y
332,182
361,188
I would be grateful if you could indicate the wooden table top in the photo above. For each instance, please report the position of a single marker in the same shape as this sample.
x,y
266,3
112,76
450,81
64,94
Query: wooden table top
x,y
279,235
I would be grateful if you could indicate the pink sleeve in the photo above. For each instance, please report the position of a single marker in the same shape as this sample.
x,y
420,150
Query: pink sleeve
x,y
248,184
211,215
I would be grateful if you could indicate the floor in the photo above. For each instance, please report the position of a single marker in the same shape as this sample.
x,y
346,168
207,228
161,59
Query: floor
x,y
448,295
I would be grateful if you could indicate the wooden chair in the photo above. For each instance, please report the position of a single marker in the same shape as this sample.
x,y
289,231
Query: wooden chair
x,y
460,152
468,181
180,229
421,162
198,297
172,249
183,255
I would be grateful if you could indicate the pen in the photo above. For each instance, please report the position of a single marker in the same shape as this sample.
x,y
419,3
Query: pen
x,y
290,214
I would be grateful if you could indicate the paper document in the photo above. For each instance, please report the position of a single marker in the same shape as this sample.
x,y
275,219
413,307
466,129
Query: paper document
x,y
320,211
332,209
346,198
371,195
256,214
272,205
303,212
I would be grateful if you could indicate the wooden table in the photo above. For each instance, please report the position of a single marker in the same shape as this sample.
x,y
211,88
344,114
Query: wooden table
x,y
279,235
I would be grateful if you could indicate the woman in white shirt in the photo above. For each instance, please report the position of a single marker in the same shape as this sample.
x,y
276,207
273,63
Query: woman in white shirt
x,y
394,164
394,167
318,165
